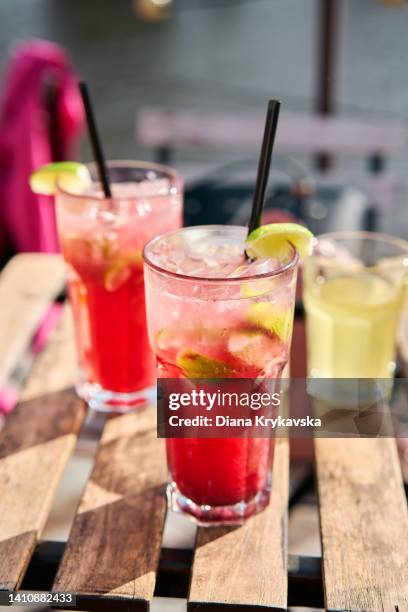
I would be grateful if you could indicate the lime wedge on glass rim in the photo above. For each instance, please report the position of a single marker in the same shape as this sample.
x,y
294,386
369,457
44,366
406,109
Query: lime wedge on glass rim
x,y
72,176
272,241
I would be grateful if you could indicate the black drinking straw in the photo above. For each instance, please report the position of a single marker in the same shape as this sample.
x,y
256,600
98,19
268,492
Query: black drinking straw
x,y
95,140
264,164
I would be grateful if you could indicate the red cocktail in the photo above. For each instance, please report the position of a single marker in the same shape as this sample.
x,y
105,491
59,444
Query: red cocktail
x,y
214,315
102,241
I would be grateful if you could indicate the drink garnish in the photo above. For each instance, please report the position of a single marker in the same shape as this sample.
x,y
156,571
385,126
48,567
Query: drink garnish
x,y
255,289
270,317
195,365
70,175
251,345
120,269
116,275
274,240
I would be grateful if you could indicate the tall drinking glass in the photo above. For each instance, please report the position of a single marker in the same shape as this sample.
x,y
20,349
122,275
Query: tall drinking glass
x,y
102,241
211,314
354,287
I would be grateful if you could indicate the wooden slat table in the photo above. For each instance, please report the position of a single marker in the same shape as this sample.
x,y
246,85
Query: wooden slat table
x,y
34,447
29,283
124,500
114,559
364,524
246,565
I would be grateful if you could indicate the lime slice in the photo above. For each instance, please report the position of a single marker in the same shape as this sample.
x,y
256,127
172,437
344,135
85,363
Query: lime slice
x,y
273,240
272,318
120,269
195,365
256,288
72,176
254,347
116,275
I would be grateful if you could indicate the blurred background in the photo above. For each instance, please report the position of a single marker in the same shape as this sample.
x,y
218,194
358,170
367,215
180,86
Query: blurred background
x,y
186,82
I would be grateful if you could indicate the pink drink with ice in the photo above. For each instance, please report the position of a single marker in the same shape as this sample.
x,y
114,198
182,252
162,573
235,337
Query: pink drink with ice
x,y
212,314
102,241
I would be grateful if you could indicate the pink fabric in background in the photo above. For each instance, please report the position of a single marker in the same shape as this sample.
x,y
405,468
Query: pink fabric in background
x,y
30,136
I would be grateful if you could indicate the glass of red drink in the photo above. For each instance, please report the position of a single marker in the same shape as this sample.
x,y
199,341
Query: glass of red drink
x,y
102,241
212,314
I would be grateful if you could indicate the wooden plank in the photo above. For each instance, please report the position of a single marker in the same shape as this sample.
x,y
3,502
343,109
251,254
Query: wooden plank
x,y
56,367
35,444
246,566
364,524
114,546
28,284
297,132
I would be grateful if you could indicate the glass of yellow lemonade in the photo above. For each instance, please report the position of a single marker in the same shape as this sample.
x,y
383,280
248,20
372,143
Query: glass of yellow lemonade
x,y
354,289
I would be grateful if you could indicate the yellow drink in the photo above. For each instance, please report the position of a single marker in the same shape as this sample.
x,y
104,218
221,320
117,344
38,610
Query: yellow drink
x,y
351,325
354,287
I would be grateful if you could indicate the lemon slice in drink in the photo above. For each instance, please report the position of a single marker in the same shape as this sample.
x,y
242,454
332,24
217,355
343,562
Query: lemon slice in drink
x,y
273,240
72,176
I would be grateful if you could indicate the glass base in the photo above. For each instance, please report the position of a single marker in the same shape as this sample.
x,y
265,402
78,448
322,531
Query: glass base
x,y
206,516
101,400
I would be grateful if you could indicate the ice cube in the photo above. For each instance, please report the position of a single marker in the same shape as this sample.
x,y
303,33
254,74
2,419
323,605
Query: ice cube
x,y
254,268
154,187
